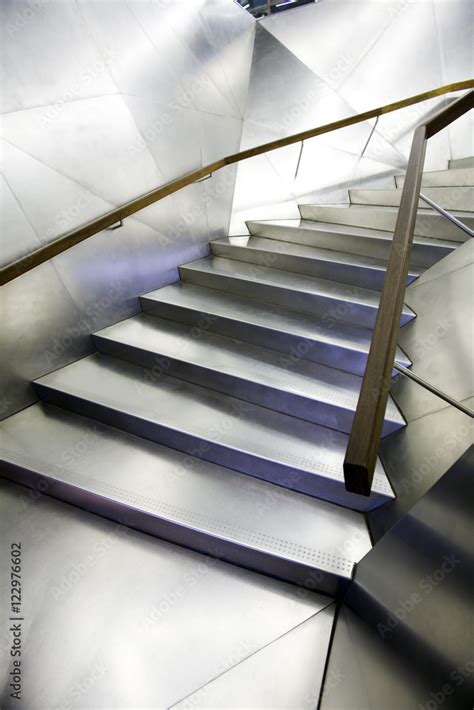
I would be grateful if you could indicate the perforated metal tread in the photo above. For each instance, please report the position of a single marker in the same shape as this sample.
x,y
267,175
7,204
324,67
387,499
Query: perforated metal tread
x,y
272,326
300,251
155,342
298,292
249,438
134,477
256,227
460,197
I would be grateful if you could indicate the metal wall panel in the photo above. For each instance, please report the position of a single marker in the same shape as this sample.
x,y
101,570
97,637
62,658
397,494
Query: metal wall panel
x,y
404,638
126,97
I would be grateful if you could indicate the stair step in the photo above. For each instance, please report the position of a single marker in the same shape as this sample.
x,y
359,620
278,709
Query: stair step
x,y
450,198
298,335
187,501
364,271
462,163
245,437
351,304
303,389
428,224
350,239
461,177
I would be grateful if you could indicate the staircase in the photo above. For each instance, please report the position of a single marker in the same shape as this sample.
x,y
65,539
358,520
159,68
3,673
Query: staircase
x,y
218,418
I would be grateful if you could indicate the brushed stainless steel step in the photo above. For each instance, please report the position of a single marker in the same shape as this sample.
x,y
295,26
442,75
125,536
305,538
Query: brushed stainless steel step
x,y
316,393
462,163
428,223
364,271
265,444
460,177
351,304
450,198
297,335
348,238
182,499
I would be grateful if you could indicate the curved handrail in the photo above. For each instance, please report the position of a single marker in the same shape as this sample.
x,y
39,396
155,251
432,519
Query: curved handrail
x,y
364,439
70,239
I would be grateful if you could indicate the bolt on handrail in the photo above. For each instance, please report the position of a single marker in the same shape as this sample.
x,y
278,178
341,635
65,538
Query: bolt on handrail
x,y
364,439
70,239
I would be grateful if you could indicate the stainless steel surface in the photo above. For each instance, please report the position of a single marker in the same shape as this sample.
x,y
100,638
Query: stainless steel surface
x,y
447,214
457,198
260,442
184,618
462,163
454,177
383,218
298,387
128,81
434,390
327,299
329,342
411,630
443,301
364,271
285,674
184,500
355,240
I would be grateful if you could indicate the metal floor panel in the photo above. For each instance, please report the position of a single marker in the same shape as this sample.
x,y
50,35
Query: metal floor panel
x,y
299,292
330,342
134,621
287,673
364,271
245,437
320,394
183,499
356,240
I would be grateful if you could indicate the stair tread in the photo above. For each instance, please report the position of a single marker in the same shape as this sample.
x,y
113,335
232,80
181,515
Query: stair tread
x,y
450,197
242,360
209,415
307,252
452,177
321,226
289,280
267,315
193,493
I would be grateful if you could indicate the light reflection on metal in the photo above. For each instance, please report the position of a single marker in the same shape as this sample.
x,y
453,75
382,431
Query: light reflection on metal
x,y
447,398
447,215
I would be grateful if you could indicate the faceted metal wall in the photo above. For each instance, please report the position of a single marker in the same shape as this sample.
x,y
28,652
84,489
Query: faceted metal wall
x,y
103,101
333,59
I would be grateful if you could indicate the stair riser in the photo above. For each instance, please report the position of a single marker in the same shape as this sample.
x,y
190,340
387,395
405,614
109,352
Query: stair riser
x,y
461,163
275,472
318,412
344,273
451,198
167,529
422,255
314,304
445,178
432,225
292,345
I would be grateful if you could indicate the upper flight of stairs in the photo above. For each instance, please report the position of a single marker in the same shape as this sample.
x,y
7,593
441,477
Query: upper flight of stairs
x,y
218,418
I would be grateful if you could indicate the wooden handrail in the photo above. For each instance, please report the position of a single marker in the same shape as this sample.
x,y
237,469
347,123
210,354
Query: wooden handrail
x,y
364,440
46,252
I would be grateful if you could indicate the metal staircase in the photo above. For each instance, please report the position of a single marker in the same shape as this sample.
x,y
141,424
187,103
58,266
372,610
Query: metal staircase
x,y
218,418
